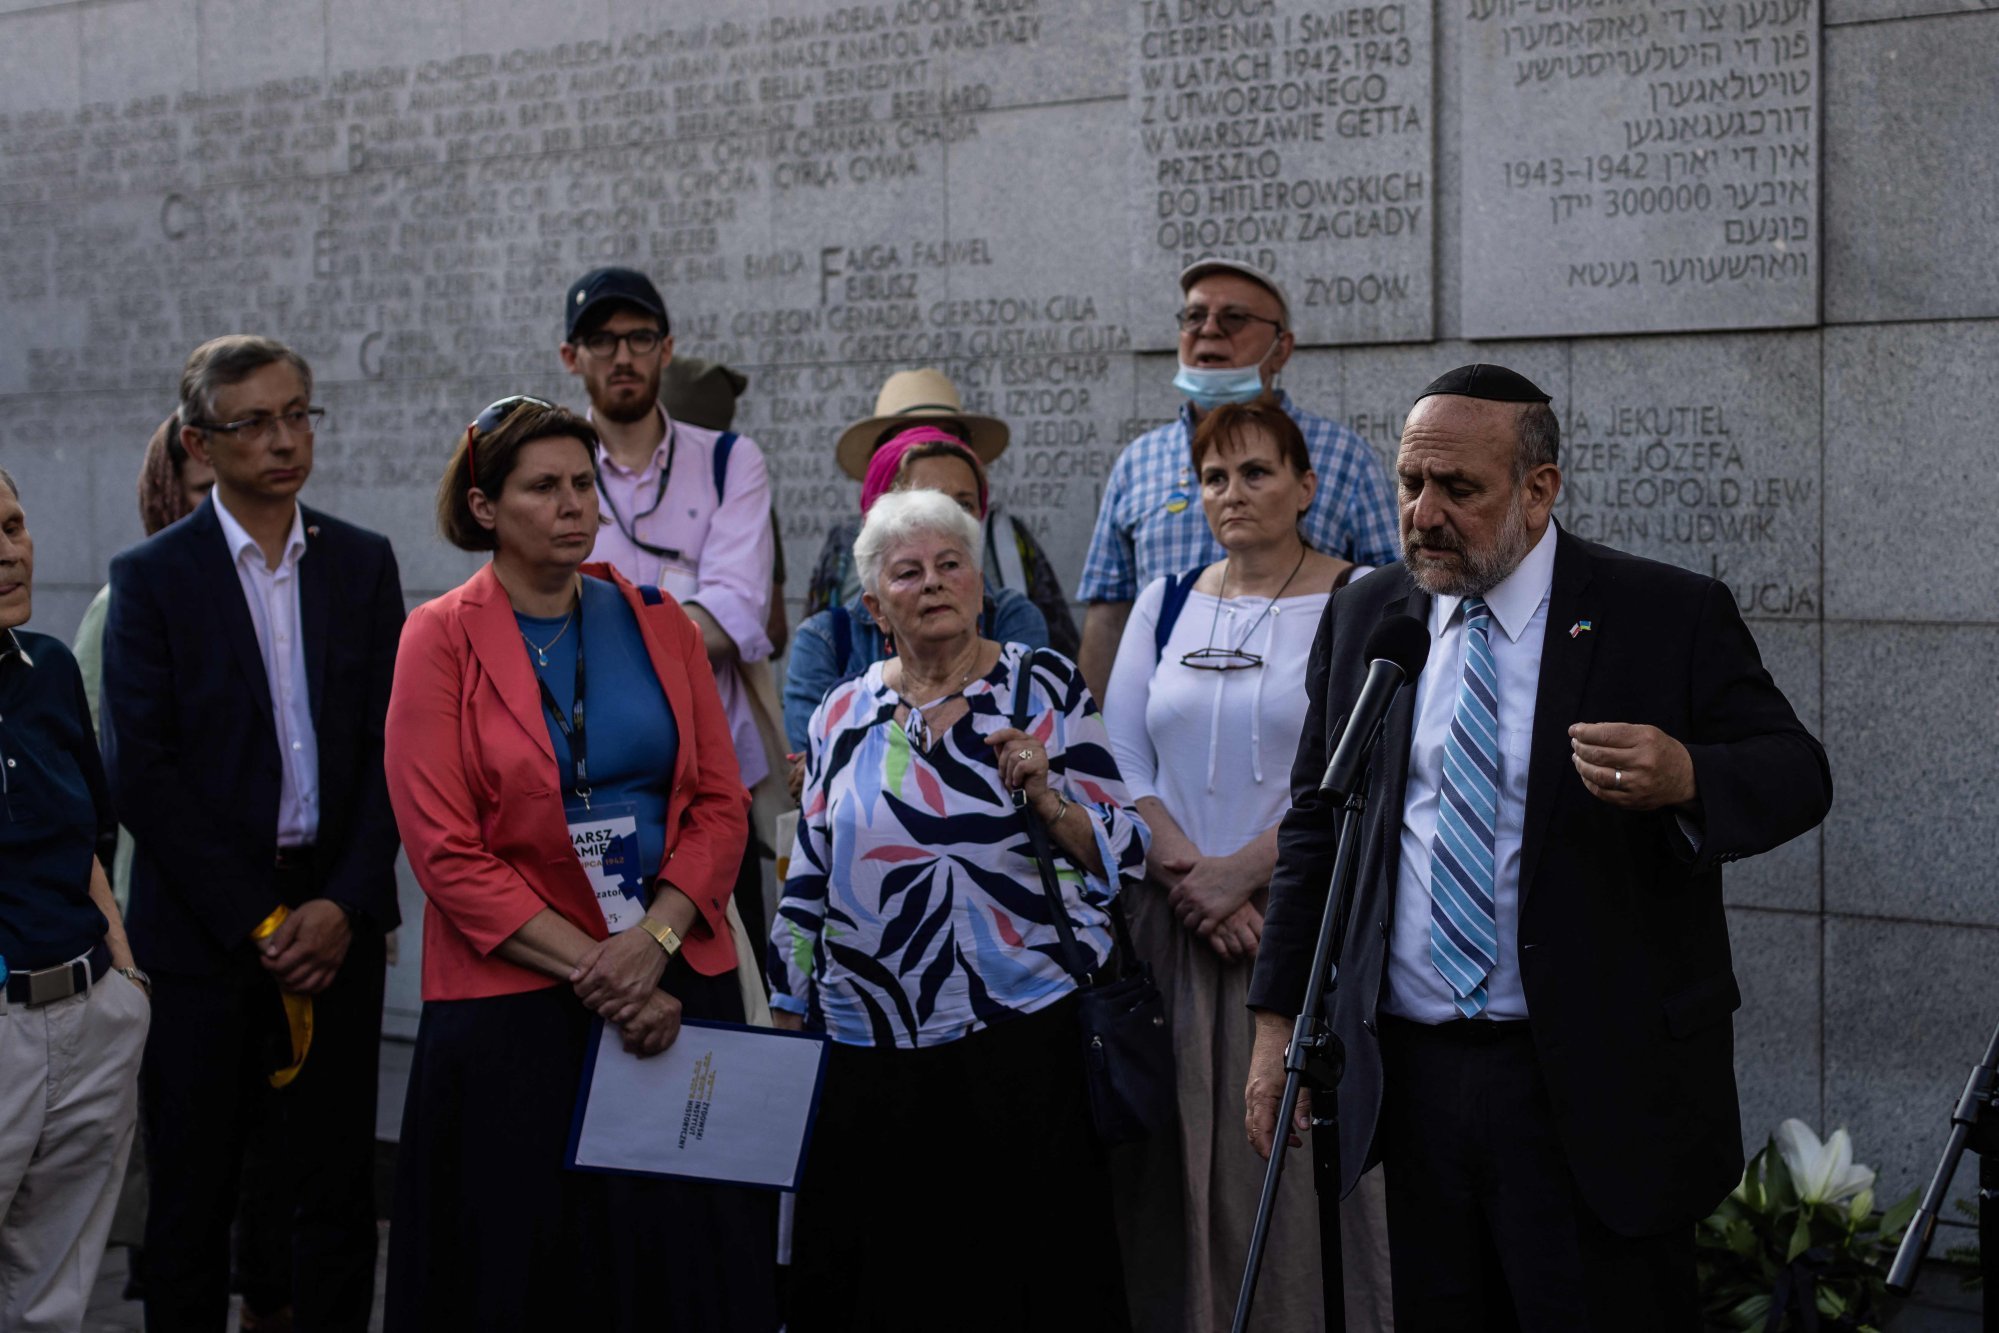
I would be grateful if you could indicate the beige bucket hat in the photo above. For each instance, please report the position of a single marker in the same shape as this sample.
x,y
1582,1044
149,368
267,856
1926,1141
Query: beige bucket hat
x,y
907,398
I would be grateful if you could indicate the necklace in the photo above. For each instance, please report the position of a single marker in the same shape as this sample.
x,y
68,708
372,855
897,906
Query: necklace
x,y
541,649
917,725
1212,658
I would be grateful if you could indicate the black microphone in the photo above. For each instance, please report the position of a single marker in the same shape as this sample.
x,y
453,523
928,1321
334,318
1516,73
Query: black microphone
x,y
1396,651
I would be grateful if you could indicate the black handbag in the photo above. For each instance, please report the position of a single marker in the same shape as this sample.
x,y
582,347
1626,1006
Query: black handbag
x,y
1127,1046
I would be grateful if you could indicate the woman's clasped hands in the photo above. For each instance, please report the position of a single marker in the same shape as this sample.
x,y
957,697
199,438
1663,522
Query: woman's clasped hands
x,y
618,979
1213,896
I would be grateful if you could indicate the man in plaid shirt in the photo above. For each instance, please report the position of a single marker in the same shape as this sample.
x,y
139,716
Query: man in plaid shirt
x,y
1234,338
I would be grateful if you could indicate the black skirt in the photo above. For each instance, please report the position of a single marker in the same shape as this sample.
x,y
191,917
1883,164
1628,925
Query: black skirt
x,y
958,1187
491,1233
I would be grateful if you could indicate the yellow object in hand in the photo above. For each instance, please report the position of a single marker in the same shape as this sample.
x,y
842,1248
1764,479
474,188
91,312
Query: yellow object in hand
x,y
298,1008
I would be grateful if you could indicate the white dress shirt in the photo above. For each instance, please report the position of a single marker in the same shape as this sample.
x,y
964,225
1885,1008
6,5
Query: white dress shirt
x,y
272,595
1416,990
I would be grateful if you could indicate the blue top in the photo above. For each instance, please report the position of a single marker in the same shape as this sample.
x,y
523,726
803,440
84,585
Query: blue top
x,y
816,664
1151,521
55,810
631,731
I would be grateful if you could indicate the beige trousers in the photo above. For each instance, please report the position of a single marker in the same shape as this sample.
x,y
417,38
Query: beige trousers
x,y
69,1101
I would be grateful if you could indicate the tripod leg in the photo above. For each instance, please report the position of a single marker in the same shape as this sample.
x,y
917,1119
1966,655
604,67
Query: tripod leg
x,y
1988,1229
1326,1179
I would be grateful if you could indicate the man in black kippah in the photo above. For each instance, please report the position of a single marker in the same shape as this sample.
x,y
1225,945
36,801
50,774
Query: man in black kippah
x,y
1534,993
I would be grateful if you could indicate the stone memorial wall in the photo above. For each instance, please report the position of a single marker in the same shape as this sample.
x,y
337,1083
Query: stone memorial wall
x,y
1746,245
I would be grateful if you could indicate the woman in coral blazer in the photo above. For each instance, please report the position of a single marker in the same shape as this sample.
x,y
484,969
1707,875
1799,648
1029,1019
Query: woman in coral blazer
x,y
563,777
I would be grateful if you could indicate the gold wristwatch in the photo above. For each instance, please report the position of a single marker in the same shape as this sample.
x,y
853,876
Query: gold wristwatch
x,y
668,939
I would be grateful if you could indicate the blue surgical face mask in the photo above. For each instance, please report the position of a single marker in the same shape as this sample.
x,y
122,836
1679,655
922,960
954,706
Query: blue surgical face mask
x,y
1210,387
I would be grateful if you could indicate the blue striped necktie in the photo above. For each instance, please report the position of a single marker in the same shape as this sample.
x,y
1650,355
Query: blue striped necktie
x,y
1464,934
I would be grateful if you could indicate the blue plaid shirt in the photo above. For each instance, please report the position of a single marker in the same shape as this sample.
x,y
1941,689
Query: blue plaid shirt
x,y
1151,522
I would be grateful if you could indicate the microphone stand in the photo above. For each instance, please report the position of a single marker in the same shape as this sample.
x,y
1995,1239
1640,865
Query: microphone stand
x,y
1974,1124
1314,1059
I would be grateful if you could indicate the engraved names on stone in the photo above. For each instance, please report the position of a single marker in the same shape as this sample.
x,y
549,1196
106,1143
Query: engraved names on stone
x,y
1704,453
1638,165
1297,137
411,227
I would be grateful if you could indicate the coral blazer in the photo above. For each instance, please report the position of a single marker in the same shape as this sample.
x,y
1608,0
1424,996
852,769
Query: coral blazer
x,y
478,797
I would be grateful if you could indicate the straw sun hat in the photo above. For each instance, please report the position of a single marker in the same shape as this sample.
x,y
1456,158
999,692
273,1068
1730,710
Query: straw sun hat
x,y
909,398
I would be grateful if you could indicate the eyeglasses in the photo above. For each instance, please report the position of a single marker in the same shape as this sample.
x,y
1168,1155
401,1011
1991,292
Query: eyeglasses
x,y
1220,659
262,428
1231,321
604,343
489,421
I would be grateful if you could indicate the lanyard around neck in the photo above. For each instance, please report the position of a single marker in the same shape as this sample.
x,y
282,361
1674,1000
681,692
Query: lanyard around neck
x,y
630,529
572,726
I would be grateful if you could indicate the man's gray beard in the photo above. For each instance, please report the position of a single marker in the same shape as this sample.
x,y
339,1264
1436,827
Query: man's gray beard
x,y
1480,571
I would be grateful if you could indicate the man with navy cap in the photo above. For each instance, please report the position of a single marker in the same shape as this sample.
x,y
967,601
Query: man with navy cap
x,y
689,507
1534,994
1235,336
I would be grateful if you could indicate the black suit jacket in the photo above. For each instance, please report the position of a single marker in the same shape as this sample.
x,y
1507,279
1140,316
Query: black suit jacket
x,y
1623,941
192,748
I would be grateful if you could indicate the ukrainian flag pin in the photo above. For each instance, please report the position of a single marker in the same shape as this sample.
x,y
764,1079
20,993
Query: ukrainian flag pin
x,y
1579,628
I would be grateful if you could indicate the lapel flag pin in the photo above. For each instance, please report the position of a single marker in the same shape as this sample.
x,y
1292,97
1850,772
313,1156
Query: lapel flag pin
x,y
312,531
1577,629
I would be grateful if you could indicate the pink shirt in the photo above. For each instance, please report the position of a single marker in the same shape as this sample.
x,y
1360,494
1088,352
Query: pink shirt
x,y
724,554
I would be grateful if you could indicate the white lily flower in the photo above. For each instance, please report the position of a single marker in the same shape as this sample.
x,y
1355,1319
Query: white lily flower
x,y
1823,1172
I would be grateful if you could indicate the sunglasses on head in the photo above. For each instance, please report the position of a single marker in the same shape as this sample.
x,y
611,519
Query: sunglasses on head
x,y
491,420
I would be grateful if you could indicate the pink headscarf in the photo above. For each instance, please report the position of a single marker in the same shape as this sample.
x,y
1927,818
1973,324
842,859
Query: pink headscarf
x,y
887,462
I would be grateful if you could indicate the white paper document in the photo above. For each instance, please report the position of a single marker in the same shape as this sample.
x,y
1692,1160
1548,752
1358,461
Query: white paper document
x,y
723,1103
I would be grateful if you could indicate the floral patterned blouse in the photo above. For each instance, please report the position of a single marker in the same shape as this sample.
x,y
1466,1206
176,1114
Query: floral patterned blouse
x,y
913,912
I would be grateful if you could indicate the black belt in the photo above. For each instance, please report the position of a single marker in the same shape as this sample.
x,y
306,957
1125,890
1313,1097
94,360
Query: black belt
x,y
49,984
1460,1031
292,860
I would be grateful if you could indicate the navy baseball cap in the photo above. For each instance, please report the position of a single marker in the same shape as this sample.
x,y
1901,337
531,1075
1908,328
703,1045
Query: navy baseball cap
x,y
600,286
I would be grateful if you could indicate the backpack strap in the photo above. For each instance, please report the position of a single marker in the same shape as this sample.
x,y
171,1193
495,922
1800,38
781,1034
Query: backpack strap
x,y
1170,606
843,635
1003,538
724,442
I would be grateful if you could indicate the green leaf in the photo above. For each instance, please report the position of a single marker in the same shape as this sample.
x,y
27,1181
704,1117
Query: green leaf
x,y
1755,1194
1896,1219
1801,1238
1751,1311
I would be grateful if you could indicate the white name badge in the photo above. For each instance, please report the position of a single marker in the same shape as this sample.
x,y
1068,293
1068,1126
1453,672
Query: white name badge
x,y
606,839
679,581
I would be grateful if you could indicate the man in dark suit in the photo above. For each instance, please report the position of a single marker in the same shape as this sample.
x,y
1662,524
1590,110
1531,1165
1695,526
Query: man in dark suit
x,y
247,662
1534,990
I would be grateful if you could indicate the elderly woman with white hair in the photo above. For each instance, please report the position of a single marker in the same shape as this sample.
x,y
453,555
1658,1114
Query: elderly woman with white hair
x,y
954,1177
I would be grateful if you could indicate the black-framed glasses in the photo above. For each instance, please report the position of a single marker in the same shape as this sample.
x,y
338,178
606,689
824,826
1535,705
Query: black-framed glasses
x,y
1230,320
489,421
1220,659
604,343
262,427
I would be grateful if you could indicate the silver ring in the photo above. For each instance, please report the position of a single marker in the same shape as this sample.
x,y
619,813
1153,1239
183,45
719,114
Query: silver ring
x,y
1617,777
1024,754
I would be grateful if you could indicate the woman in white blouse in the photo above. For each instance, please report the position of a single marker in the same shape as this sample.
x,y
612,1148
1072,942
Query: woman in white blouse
x,y
1204,708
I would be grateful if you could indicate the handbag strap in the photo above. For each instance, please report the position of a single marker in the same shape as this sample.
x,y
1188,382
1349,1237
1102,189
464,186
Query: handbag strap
x,y
1044,856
